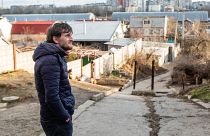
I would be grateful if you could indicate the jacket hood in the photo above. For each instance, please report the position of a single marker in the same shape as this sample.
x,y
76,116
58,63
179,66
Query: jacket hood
x,y
47,49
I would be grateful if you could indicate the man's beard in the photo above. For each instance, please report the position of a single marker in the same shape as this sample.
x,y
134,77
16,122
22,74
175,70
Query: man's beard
x,y
67,47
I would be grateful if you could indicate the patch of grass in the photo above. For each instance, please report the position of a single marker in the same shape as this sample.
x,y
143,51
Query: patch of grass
x,y
202,93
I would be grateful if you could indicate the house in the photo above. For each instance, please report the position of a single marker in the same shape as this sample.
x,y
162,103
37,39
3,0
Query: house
x,y
149,28
168,8
30,30
96,33
5,28
155,8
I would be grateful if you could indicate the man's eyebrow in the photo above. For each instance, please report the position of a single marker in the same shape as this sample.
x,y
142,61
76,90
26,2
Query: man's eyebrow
x,y
68,33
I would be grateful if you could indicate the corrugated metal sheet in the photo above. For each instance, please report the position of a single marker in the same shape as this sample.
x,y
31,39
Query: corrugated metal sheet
x,y
48,17
121,42
95,31
31,27
191,15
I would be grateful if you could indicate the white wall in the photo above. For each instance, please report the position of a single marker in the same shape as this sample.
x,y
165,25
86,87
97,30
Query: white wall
x,y
24,61
154,8
161,49
103,65
5,28
6,57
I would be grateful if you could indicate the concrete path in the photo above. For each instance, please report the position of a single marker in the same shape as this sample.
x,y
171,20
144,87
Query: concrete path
x,y
116,115
122,114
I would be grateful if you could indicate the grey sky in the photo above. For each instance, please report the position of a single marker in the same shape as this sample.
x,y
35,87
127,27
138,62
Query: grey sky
x,y
8,3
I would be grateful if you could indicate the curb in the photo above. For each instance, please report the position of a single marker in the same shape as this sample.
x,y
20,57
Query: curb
x,y
100,96
199,102
82,108
97,97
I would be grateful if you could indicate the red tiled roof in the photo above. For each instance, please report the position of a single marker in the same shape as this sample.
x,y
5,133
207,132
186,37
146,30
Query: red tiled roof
x,y
31,27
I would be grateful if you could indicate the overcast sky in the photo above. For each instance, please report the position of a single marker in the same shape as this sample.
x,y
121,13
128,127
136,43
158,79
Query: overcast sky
x,y
8,3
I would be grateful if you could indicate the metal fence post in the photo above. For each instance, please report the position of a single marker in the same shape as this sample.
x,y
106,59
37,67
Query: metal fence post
x,y
153,74
134,76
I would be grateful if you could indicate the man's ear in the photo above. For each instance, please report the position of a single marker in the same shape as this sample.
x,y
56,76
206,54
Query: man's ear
x,y
55,39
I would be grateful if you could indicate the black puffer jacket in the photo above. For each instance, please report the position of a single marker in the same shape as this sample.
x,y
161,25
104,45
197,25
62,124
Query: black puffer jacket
x,y
52,84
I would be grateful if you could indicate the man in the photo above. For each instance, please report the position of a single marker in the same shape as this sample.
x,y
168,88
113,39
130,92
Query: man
x,y
51,80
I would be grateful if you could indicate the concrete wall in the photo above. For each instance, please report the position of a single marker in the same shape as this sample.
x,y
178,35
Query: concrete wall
x,y
6,57
102,66
5,28
162,50
76,67
24,61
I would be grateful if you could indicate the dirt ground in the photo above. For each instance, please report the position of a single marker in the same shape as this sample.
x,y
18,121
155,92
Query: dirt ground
x,y
22,118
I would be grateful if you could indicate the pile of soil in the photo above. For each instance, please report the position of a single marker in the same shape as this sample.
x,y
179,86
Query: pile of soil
x,y
21,83
22,118
18,83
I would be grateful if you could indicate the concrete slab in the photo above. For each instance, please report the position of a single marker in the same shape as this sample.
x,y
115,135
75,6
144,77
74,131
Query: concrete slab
x,y
3,105
205,105
118,114
10,99
3,109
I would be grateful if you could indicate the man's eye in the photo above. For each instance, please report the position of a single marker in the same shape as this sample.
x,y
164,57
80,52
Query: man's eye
x,y
68,35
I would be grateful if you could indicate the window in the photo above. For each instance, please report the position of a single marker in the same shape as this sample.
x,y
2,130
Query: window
x,y
146,22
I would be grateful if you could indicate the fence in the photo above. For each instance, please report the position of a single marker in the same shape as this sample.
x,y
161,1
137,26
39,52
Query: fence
x,y
105,64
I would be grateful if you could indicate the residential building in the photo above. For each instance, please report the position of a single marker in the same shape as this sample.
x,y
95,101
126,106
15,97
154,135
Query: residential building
x,y
169,8
129,5
200,5
97,33
155,8
135,5
149,28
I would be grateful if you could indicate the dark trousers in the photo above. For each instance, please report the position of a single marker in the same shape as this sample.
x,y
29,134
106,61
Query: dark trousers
x,y
53,129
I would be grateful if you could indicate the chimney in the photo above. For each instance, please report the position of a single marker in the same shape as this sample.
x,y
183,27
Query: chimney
x,y
84,27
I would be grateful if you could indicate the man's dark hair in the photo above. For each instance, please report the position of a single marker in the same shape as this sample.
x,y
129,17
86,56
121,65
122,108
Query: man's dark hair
x,y
56,30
